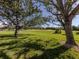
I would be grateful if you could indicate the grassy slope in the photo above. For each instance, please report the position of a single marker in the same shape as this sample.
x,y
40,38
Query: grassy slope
x,y
35,44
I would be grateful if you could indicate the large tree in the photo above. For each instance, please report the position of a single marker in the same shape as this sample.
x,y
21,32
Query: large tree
x,y
16,10
64,11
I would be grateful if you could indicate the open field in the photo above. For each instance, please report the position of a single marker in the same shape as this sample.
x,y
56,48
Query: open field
x,y
35,44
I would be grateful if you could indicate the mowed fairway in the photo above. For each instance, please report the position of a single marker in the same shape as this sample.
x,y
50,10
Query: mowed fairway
x,y
35,44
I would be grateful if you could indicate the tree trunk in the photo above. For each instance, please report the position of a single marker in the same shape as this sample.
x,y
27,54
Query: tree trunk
x,y
69,35
16,27
16,31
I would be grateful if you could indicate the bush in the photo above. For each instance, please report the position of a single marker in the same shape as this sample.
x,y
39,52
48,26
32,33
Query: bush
x,y
57,31
77,32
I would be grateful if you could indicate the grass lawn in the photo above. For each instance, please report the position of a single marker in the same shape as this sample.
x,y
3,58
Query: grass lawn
x,y
35,44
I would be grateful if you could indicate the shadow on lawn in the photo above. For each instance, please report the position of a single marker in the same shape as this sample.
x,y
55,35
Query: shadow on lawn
x,y
6,36
4,55
9,43
11,36
51,53
25,48
47,53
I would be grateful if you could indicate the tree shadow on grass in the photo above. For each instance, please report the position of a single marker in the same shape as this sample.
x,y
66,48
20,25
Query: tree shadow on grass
x,y
26,48
4,55
11,36
47,53
51,53
8,43
7,36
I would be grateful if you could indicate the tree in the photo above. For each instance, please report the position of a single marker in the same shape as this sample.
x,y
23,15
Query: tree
x,y
16,10
64,11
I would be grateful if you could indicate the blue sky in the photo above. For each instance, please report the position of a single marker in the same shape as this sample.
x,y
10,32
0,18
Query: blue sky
x,y
76,20
45,13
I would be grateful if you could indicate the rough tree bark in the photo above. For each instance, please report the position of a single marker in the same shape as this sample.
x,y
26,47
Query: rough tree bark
x,y
69,35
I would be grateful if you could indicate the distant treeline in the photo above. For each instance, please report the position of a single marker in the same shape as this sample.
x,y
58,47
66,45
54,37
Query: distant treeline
x,y
76,28
52,28
47,28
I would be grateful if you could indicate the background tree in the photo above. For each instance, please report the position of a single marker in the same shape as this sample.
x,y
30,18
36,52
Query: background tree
x,y
16,10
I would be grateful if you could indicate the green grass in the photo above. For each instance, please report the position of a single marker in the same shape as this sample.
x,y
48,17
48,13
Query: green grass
x,y
35,44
